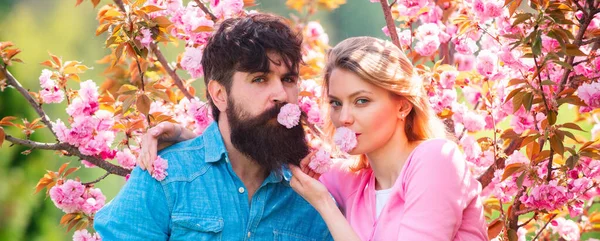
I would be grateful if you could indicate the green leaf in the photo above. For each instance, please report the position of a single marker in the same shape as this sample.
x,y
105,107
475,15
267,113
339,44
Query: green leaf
x,y
563,64
548,82
536,46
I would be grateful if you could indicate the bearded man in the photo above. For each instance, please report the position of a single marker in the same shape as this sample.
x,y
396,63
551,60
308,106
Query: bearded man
x,y
231,182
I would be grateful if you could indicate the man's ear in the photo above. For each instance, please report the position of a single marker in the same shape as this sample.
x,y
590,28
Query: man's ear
x,y
217,94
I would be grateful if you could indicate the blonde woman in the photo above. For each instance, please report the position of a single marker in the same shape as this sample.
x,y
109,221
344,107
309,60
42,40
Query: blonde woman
x,y
410,182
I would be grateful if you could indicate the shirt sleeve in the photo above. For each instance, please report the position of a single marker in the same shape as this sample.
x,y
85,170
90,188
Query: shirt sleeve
x,y
138,212
437,188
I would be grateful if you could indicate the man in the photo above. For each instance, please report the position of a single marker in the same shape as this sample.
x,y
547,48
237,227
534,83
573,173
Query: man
x,y
229,183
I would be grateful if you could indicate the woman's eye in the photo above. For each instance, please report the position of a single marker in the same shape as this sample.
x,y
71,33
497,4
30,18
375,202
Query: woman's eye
x,y
335,103
362,101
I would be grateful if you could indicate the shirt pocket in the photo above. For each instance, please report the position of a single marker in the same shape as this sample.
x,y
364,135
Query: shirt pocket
x,y
196,228
284,235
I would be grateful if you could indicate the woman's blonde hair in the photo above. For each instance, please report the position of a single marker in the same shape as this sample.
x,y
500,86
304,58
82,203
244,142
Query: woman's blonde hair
x,y
383,64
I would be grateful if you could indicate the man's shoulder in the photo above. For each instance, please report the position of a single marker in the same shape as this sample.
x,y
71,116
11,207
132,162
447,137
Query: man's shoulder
x,y
185,159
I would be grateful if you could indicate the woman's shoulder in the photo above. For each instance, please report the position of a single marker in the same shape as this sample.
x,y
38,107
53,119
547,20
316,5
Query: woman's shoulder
x,y
437,147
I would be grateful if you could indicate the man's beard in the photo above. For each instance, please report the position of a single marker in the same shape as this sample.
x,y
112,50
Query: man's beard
x,y
264,140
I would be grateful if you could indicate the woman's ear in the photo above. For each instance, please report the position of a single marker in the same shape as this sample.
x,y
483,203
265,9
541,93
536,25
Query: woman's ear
x,y
404,108
217,94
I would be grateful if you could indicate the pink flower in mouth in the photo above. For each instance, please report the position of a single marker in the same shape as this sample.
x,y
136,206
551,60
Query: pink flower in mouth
x,y
289,115
345,139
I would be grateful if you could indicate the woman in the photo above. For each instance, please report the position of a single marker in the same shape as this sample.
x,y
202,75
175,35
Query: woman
x,y
410,183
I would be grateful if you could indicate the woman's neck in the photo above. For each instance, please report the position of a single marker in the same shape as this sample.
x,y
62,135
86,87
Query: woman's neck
x,y
387,161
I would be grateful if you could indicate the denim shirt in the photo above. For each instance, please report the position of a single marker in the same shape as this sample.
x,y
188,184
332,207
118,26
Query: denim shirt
x,y
203,199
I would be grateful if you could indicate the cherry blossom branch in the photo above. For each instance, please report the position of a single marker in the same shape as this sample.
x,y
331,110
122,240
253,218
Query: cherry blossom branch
x,y
71,151
514,213
120,4
545,225
205,9
578,40
389,20
35,144
97,180
37,106
161,58
488,175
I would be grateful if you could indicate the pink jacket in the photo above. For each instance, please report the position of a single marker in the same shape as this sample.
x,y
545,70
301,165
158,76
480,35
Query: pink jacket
x,y
434,198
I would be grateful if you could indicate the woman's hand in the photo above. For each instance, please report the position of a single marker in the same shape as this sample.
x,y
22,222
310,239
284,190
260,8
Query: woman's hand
x,y
305,182
158,138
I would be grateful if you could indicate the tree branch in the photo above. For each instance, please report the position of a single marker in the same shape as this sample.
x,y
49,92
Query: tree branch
x,y
488,175
120,4
578,40
165,64
71,151
35,144
545,225
97,180
390,22
38,108
205,10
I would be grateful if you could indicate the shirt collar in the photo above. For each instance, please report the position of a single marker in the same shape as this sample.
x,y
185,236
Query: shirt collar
x,y
213,143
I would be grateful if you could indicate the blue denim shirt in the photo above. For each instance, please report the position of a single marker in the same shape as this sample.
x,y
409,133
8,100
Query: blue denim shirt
x,y
203,199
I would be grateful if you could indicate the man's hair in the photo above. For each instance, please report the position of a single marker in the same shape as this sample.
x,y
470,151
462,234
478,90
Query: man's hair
x,y
242,44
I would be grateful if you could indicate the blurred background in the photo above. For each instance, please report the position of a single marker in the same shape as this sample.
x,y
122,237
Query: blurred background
x,y
38,27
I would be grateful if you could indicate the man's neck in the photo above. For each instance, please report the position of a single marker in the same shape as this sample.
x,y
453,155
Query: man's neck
x,y
251,174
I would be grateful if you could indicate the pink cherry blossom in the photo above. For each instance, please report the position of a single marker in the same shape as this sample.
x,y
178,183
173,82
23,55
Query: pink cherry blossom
x,y
566,228
447,79
192,61
159,171
547,197
320,162
464,62
473,121
314,32
486,63
227,8
345,139
45,79
517,157
84,235
68,196
200,113
428,45
590,94
126,158
54,95
145,38
94,200
289,115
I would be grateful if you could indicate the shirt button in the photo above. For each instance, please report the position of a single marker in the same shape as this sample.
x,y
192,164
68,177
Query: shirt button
x,y
249,234
241,190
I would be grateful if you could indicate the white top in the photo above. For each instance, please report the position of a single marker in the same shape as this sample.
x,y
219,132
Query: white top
x,y
382,197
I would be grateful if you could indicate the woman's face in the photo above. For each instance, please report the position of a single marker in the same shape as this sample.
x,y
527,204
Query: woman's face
x,y
367,109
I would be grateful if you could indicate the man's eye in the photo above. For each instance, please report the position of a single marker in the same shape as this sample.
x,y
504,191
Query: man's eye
x,y
258,80
289,80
